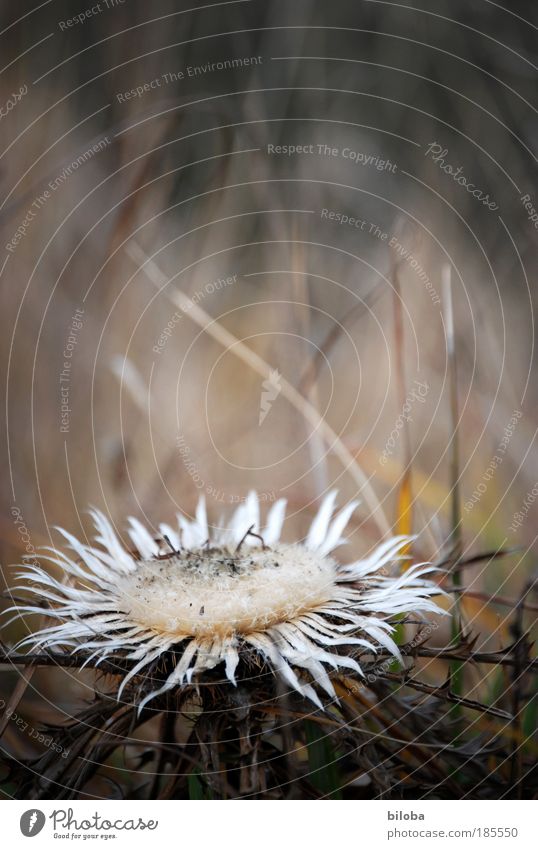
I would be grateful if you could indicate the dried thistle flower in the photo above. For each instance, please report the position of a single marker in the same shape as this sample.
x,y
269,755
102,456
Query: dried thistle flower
x,y
213,598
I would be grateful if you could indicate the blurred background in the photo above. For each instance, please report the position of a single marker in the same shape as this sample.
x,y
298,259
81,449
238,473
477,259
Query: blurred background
x,y
309,175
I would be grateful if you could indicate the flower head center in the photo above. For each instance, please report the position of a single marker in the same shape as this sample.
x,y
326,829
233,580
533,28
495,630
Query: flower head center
x,y
220,592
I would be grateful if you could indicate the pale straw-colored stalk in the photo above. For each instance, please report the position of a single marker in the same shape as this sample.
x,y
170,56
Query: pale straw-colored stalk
x,y
223,336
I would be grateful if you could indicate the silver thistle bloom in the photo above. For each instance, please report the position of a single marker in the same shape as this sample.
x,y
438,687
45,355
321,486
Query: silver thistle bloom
x,y
212,597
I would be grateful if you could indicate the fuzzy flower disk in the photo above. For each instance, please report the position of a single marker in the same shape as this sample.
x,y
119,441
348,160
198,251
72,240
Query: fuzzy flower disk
x,y
219,592
209,597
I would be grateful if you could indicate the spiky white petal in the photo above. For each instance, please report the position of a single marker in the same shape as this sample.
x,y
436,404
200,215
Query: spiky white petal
x,y
211,596
318,529
275,521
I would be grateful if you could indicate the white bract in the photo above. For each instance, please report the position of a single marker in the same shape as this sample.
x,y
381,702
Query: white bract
x,y
211,596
